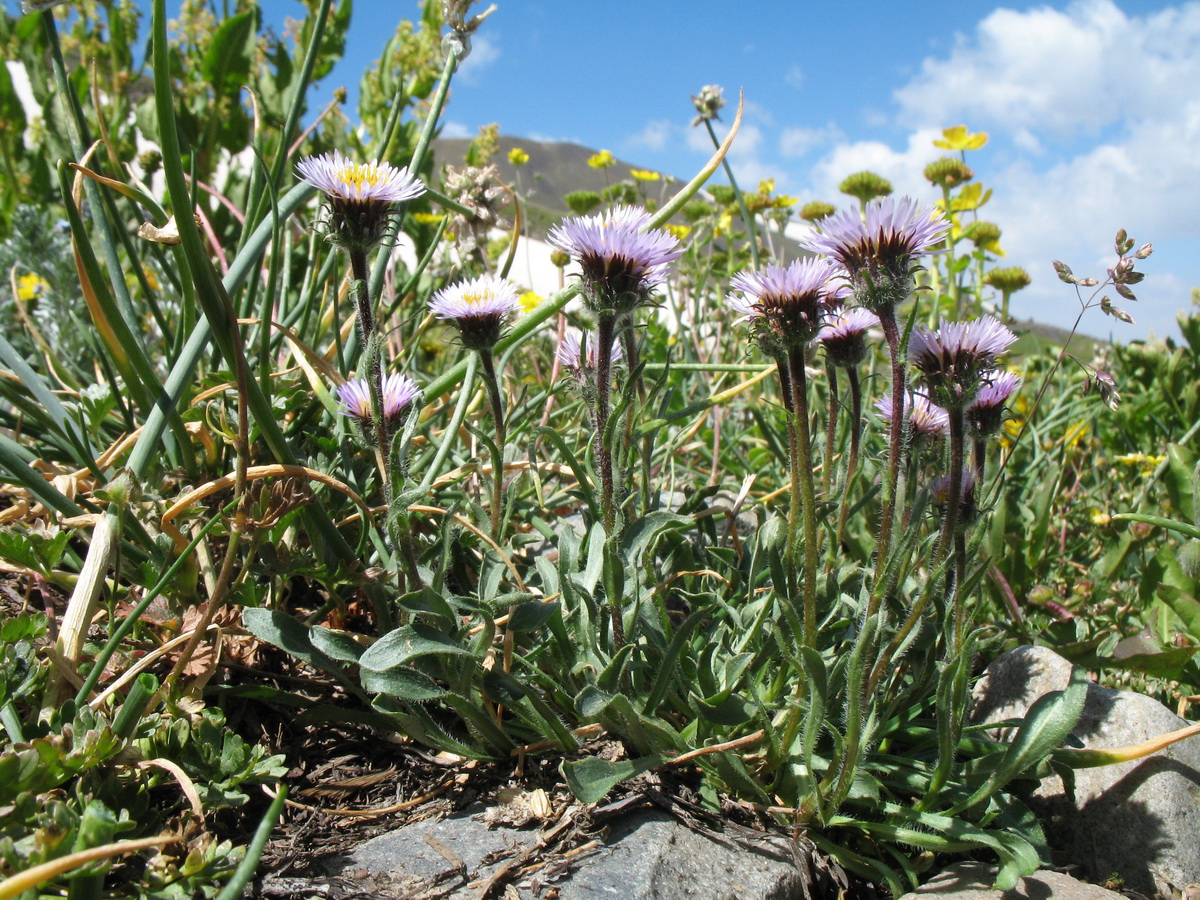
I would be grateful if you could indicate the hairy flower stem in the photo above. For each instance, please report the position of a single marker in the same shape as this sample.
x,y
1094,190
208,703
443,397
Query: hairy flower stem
x,y
830,429
946,542
891,333
630,346
497,399
605,328
979,458
802,511
852,458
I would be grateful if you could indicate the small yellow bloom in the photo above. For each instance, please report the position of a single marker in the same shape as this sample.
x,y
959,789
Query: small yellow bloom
x,y
602,160
428,218
723,224
680,232
958,138
151,278
517,156
766,186
1101,518
644,175
529,301
31,286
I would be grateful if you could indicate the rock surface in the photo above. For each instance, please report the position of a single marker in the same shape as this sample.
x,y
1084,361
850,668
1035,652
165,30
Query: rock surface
x,y
646,855
1139,820
973,881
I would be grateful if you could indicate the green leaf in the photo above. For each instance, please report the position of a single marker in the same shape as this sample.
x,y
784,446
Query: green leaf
x,y
336,644
641,535
1048,722
406,643
227,61
293,636
532,615
590,779
1183,605
402,683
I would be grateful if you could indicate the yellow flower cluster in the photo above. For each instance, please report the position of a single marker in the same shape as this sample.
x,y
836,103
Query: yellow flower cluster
x,y
602,160
31,286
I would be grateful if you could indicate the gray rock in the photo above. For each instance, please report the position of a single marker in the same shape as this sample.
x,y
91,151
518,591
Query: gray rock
x,y
1139,820
973,881
647,855
650,856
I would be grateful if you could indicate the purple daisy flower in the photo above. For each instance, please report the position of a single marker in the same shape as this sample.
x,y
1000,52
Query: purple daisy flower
x,y
878,252
622,260
985,415
844,336
361,195
399,391
953,360
789,304
928,420
570,348
940,489
478,308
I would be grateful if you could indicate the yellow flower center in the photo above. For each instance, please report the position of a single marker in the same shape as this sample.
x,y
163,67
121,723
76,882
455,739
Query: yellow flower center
x,y
361,175
476,298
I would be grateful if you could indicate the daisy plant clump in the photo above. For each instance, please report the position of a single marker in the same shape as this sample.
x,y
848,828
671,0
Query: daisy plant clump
x,y
879,252
785,309
361,199
623,263
952,364
478,308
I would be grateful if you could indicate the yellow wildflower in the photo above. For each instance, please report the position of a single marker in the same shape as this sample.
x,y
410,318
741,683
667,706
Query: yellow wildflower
x,y
529,301
958,138
151,278
1101,518
425,218
602,160
723,224
517,156
644,175
680,232
31,286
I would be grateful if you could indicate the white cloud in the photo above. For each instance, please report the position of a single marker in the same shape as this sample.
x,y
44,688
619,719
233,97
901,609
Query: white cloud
x,y
654,136
802,141
1061,72
795,77
903,168
484,52
456,130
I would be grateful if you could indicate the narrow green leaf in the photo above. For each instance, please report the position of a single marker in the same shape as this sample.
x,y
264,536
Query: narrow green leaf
x,y
591,778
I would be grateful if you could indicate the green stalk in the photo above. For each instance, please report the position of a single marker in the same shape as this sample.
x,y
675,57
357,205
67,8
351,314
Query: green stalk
x,y
605,326
497,400
852,459
803,501
751,231
887,319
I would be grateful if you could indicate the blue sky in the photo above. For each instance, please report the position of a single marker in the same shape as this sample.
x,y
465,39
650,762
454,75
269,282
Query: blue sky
x,y
1090,105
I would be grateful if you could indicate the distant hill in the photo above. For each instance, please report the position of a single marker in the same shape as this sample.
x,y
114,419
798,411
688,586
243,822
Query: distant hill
x,y
553,170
